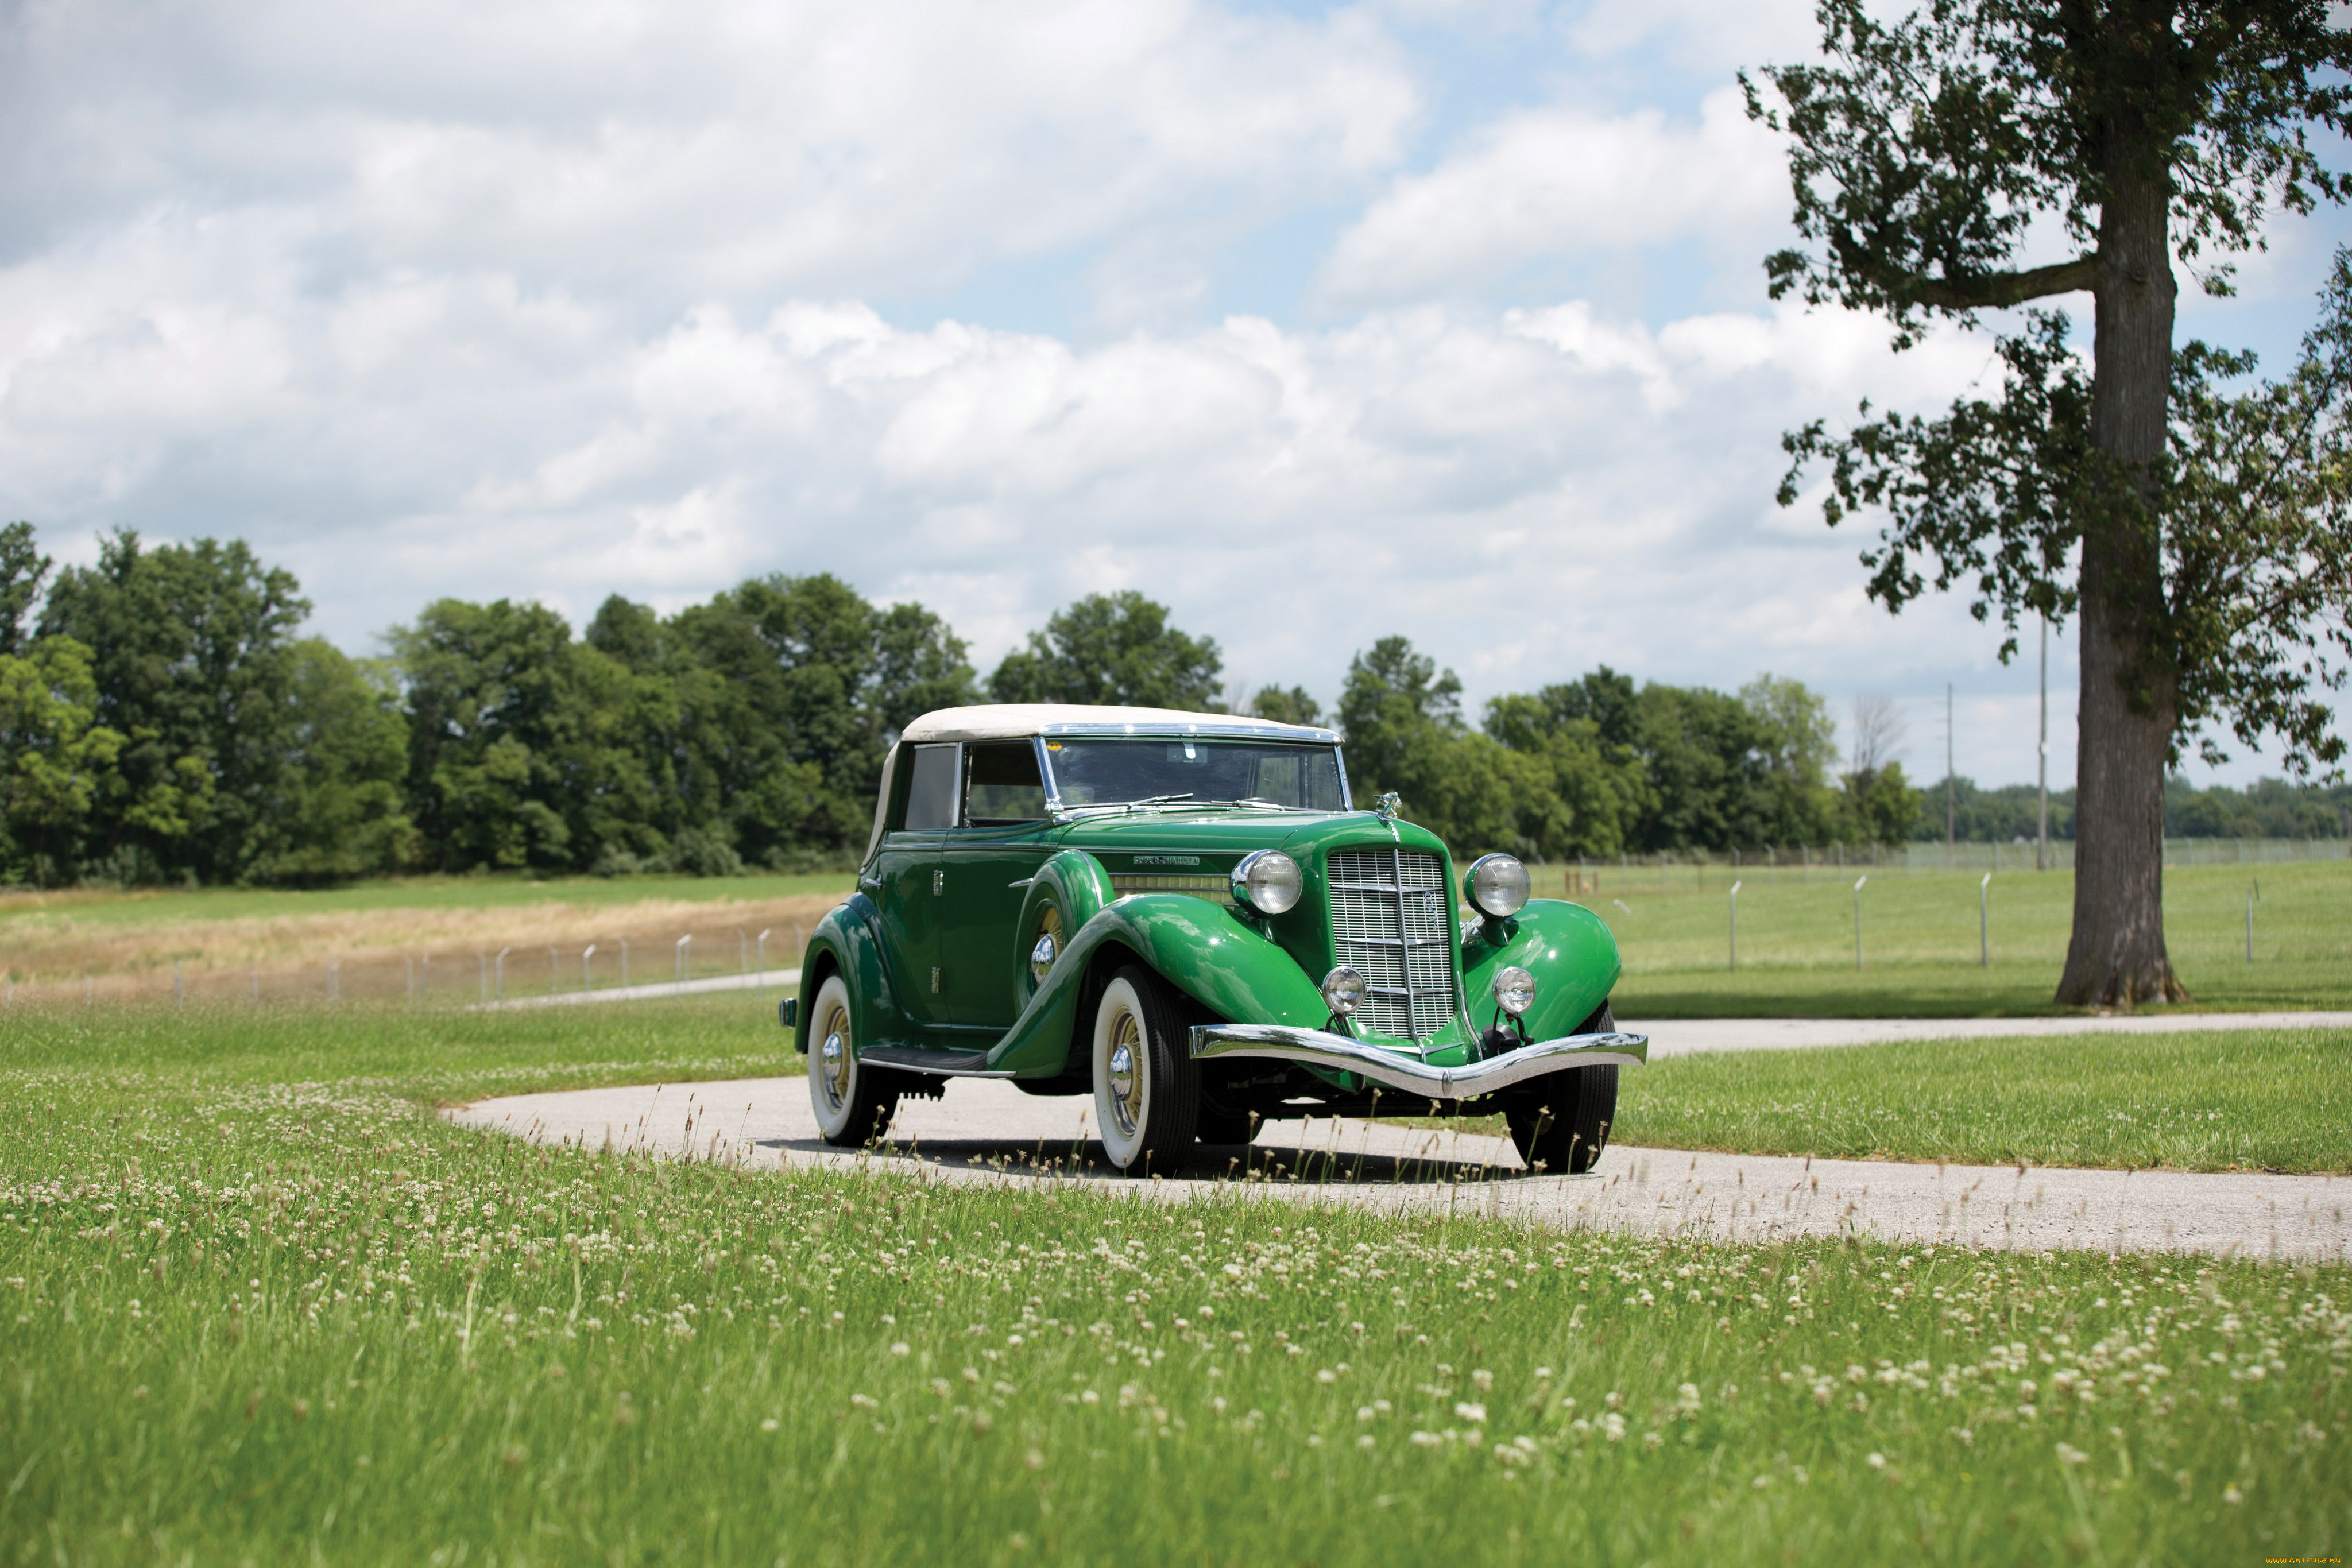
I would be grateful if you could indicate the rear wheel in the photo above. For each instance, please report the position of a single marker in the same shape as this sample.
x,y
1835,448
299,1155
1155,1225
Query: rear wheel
x,y
853,1103
1147,1088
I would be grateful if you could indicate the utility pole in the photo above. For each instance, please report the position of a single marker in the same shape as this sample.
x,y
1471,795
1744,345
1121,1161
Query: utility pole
x,y
1951,789
2041,767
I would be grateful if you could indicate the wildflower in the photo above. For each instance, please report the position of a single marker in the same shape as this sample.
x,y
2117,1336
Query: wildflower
x,y
1484,1380
2233,1496
1367,1441
899,1347
1327,1375
2070,1455
1466,1411
771,1425
1876,1461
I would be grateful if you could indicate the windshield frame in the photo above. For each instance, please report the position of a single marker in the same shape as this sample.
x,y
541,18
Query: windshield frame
x,y
1063,810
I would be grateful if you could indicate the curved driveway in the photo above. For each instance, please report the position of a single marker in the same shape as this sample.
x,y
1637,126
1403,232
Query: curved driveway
x,y
986,1131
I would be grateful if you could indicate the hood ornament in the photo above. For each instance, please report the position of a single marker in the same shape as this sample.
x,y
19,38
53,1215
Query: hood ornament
x,y
1388,804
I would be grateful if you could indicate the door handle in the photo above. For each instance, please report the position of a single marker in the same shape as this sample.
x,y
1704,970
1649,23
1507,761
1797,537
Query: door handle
x,y
938,882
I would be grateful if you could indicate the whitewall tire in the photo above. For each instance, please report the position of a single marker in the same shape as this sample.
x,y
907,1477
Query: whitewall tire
x,y
1147,1089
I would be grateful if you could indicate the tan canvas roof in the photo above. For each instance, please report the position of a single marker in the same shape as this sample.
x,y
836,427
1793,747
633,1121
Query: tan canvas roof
x,y
1014,721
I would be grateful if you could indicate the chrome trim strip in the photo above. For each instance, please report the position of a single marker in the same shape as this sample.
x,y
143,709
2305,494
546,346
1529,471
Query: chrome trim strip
x,y
936,1070
1281,1043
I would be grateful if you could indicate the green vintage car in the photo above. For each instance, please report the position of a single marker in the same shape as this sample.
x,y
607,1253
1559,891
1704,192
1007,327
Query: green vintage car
x,y
1185,916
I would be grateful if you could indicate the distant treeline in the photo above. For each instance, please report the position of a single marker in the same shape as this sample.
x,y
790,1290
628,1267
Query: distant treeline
x,y
2270,809
162,720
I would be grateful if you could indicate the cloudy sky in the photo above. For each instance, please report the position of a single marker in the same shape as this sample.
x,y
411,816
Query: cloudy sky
x,y
1317,323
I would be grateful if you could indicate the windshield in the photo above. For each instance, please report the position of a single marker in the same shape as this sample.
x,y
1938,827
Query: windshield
x,y
1209,772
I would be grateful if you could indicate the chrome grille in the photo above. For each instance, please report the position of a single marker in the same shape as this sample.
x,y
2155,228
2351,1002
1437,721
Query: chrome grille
x,y
1387,923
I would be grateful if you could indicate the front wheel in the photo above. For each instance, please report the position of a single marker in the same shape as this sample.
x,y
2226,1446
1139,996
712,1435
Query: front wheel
x,y
1147,1088
1563,1126
853,1101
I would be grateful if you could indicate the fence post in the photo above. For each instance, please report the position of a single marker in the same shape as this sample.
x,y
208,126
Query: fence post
x,y
1984,922
587,976
482,964
1735,925
554,982
1857,919
763,959
424,978
499,965
625,962
679,964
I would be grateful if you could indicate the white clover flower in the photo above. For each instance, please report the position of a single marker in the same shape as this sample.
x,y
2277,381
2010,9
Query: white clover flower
x,y
900,1348
1463,1410
1367,1441
1876,1461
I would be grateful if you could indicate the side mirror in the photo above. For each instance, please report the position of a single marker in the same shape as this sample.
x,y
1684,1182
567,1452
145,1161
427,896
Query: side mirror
x,y
787,1013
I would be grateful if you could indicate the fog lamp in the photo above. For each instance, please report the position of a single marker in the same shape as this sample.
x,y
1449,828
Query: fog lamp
x,y
1343,991
1515,990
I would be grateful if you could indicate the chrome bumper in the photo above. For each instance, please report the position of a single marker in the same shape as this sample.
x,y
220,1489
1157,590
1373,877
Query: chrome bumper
x,y
1318,1048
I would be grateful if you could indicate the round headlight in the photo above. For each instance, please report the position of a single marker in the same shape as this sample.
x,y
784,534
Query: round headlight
x,y
1497,886
1267,881
1515,990
1343,991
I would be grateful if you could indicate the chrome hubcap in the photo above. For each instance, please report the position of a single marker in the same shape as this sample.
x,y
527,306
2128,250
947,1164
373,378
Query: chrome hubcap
x,y
1126,1081
834,1062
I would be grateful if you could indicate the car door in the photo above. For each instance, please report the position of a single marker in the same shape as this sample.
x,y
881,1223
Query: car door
x,y
985,862
907,881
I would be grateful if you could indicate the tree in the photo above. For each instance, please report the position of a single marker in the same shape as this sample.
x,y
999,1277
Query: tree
x,y
1111,648
1292,706
519,748
341,815
1926,158
23,568
192,654
54,758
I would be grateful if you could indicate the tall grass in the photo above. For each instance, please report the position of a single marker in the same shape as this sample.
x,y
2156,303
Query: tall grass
x,y
257,1303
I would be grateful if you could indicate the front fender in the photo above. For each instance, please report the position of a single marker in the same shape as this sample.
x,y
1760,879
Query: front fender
x,y
850,935
1567,947
1202,948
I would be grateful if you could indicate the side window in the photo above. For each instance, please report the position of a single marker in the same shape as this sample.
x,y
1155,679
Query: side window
x,y
931,789
1003,785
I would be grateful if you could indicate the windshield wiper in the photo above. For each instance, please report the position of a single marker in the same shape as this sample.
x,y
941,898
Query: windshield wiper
x,y
1128,805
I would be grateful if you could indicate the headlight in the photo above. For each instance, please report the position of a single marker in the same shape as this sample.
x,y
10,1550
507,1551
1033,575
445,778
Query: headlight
x,y
1267,881
1515,990
1343,991
1497,885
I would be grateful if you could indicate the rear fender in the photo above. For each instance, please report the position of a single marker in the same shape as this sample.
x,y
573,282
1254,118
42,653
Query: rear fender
x,y
848,941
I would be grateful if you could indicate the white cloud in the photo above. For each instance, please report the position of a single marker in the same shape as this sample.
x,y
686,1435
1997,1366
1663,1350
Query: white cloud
x,y
732,148
1563,182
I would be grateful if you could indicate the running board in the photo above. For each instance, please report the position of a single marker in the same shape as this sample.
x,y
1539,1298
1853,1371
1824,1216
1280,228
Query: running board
x,y
940,1063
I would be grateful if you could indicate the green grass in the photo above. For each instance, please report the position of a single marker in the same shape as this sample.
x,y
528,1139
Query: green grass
x,y
256,1304
161,906
1921,946
2264,1100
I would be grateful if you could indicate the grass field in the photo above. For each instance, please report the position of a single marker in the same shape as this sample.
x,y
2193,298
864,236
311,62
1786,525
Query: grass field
x,y
1920,940
437,938
257,1304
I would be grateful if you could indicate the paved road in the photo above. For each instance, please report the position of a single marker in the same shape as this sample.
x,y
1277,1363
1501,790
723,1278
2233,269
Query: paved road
x,y
990,1132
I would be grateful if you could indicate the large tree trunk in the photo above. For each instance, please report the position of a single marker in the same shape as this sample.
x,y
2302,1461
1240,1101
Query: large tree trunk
x,y
2130,701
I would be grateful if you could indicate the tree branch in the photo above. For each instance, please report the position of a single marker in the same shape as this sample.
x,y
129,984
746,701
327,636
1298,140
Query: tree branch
x,y
1984,291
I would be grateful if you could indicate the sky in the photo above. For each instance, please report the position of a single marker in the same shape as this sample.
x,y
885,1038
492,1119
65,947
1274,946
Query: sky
x,y
1316,323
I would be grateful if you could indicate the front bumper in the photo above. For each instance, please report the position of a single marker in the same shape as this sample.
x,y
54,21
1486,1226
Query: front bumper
x,y
1316,1048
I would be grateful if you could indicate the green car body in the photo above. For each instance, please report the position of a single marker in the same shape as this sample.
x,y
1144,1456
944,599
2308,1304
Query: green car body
x,y
939,949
